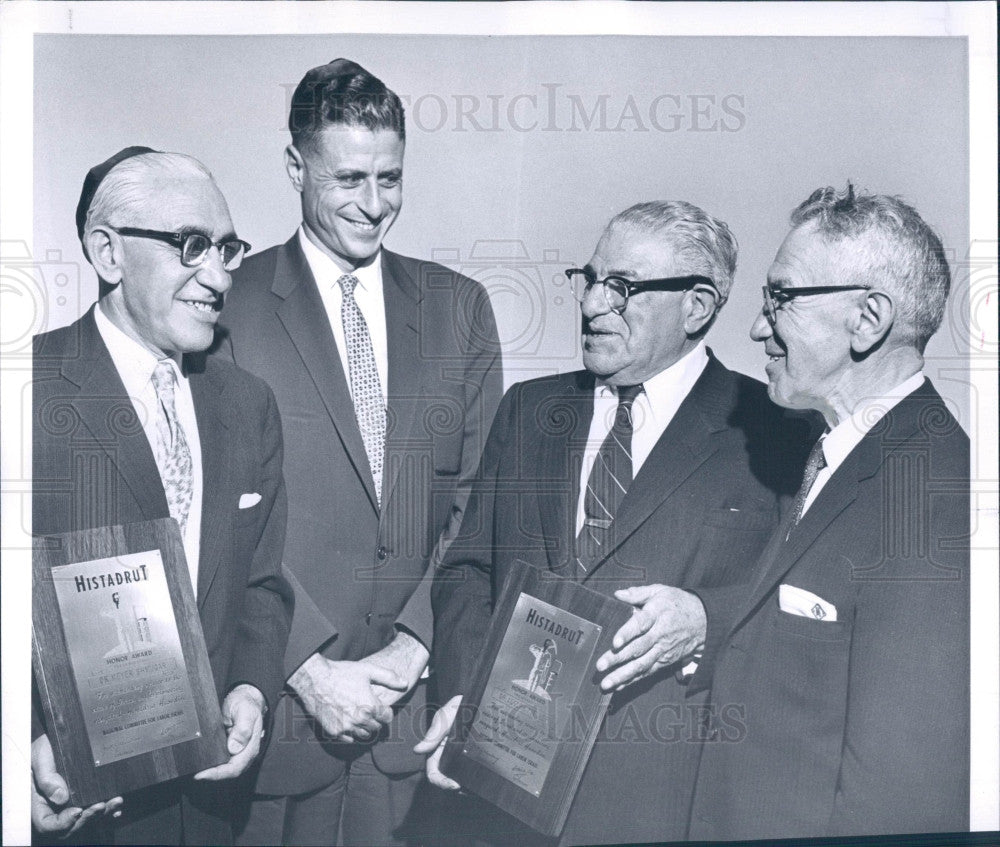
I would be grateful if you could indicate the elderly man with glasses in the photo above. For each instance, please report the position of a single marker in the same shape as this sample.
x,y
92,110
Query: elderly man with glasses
x,y
655,466
132,422
850,653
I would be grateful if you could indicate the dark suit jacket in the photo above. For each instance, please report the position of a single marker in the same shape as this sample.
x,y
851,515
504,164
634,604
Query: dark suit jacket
x,y
697,514
361,571
859,725
93,466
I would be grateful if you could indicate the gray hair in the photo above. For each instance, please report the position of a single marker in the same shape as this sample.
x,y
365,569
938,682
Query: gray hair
x,y
892,249
124,195
706,242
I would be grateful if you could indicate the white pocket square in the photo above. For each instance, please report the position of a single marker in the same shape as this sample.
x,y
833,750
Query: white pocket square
x,y
248,500
798,601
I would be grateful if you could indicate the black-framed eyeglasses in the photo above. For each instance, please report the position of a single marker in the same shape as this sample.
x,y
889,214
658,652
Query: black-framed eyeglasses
x,y
617,289
775,298
194,246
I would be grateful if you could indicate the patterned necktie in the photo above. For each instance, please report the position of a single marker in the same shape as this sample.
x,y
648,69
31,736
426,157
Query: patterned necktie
x,y
173,456
609,479
814,464
369,406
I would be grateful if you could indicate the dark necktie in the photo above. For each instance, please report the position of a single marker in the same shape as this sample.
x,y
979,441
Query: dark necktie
x,y
814,464
609,479
366,389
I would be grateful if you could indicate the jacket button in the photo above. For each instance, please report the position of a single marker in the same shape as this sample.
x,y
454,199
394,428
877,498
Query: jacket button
x,y
368,618
381,553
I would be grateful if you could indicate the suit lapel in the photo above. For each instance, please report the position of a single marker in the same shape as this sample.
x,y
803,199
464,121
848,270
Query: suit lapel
x,y
211,408
304,318
106,410
405,392
561,460
686,443
840,491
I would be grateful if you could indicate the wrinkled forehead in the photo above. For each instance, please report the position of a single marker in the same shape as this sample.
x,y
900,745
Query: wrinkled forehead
x,y
808,257
637,253
175,202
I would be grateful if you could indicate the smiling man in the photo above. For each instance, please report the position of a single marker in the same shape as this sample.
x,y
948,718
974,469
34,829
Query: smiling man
x,y
851,652
133,422
387,373
655,467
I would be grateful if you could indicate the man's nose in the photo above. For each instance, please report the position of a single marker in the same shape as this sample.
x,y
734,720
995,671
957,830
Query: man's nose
x,y
213,274
369,199
595,301
761,329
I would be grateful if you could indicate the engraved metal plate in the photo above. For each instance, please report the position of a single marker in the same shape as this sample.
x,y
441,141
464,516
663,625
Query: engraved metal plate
x,y
125,652
527,707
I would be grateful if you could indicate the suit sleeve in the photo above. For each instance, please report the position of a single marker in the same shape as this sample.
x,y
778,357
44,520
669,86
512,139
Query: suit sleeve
x,y
268,603
905,757
483,381
462,593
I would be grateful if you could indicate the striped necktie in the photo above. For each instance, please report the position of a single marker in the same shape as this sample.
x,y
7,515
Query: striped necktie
x,y
366,389
609,479
173,456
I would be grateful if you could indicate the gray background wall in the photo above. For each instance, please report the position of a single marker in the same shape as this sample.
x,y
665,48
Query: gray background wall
x,y
519,150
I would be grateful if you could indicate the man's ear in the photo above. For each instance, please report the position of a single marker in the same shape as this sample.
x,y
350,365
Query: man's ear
x,y
295,166
702,304
106,251
874,322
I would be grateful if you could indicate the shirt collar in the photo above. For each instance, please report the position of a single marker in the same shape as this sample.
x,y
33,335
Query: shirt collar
x,y
327,272
134,362
846,435
669,384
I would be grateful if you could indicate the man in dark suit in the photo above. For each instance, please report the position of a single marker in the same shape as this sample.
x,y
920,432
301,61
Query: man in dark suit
x,y
700,459
387,374
849,659
131,422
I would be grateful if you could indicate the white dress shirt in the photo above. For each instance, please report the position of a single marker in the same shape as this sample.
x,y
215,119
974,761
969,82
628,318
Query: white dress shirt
x,y
135,365
368,295
846,435
652,412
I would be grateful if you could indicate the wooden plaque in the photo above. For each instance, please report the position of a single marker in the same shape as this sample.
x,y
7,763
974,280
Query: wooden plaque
x,y
525,730
119,660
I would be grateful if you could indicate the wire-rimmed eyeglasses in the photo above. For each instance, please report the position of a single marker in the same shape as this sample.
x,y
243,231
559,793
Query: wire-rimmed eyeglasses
x,y
617,289
194,246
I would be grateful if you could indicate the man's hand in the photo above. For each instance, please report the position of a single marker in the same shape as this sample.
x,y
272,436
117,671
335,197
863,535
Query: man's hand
x,y
433,743
668,625
405,656
49,795
243,717
342,696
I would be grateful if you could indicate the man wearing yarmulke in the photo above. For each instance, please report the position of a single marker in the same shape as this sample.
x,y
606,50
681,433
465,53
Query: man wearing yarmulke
x,y
207,451
387,374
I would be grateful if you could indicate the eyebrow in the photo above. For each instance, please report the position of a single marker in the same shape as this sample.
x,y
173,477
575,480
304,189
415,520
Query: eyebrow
x,y
778,282
200,230
626,274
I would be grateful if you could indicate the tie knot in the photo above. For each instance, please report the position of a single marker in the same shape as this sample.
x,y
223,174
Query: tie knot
x,y
164,377
628,393
816,461
347,283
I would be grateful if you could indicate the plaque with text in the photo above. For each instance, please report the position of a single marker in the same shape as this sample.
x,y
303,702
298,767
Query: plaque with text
x,y
120,662
526,729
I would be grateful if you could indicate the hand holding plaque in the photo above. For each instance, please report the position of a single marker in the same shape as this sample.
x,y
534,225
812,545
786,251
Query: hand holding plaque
x,y
529,721
121,666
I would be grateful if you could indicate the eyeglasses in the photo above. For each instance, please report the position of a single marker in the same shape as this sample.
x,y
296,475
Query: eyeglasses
x,y
194,246
617,289
775,298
